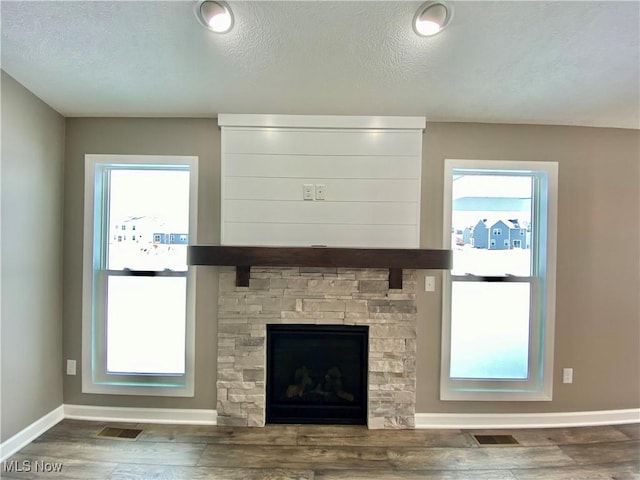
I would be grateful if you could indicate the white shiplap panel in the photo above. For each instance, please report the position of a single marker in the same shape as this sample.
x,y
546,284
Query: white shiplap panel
x,y
288,235
322,166
321,142
355,213
336,190
371,181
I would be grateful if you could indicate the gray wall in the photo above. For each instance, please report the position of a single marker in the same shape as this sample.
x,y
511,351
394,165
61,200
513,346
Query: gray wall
x,y
32,197
597,314
198,137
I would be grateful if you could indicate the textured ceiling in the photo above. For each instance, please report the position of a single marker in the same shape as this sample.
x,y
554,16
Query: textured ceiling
x,y
564,63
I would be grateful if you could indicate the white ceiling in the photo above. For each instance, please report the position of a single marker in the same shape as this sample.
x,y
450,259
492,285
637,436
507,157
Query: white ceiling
x,y
563,63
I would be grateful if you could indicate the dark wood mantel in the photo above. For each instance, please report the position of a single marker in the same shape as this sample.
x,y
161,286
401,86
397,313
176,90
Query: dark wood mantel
x,y
395,259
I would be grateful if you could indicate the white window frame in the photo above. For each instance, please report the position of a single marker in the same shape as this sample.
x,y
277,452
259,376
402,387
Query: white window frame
x,y
539,385
94,379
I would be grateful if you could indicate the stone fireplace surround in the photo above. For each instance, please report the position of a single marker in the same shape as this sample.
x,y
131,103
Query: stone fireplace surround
x,y
324,296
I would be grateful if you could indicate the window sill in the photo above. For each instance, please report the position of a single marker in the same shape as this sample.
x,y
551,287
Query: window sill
x,y
141,390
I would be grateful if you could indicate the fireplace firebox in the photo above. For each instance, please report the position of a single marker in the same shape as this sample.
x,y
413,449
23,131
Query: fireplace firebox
x,y
317,374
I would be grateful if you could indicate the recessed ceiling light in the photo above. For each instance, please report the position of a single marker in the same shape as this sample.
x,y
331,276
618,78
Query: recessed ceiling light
x,y
216,16
431,18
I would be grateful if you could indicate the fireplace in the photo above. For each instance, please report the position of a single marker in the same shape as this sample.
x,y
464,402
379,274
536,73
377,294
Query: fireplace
x,y
335,299
317,374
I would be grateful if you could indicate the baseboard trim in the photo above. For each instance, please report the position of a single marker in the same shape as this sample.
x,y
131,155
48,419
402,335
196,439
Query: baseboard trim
x,y
30,433
526,420
209,417
184,416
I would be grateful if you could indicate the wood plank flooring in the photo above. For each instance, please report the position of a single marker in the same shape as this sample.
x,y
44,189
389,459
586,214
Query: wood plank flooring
x,y
308,452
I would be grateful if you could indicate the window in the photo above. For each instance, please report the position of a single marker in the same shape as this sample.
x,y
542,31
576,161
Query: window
x,y
498,302
497,231
138,301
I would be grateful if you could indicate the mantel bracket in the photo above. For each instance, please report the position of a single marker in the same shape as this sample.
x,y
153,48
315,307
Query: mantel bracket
x,y
243,274
395,278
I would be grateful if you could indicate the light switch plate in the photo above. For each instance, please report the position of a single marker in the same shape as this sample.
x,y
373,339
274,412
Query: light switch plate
x,y
307,191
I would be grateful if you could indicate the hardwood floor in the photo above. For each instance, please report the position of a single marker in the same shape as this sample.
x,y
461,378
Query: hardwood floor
x,y
305,452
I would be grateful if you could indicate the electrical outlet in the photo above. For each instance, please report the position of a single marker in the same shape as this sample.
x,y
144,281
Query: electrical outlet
x,y
307,191
71,367
320,191
429,284
567,375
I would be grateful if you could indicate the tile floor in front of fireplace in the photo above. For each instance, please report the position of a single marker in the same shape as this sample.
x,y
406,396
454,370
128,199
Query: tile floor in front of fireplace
x,y
308,452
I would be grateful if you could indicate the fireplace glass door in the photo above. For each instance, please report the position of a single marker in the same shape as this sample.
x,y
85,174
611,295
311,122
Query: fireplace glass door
x,y
317,374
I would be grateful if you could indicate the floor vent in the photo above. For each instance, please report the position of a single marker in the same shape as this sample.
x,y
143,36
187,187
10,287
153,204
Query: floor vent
x,y
495,440
120,433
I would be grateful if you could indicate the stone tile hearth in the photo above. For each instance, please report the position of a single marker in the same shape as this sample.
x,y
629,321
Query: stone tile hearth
x,y
325,297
